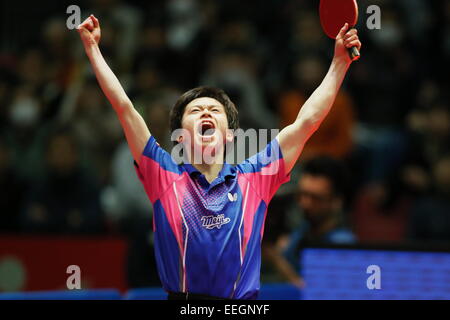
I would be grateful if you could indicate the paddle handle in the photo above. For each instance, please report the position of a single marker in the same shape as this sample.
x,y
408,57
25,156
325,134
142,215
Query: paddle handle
x,y
353,52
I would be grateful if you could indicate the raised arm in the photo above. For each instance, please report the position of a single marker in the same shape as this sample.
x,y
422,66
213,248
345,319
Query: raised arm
x,y
294,136
135,129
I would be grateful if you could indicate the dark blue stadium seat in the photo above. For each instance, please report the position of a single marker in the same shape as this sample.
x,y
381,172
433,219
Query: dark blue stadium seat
x,y
279,291
268,292
94,294
156,293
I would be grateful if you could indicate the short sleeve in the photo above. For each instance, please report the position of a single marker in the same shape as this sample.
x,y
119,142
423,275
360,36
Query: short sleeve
x,y
157,169
266,170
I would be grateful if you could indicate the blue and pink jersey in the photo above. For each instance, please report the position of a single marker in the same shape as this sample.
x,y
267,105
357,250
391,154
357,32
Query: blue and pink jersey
x,y
208,235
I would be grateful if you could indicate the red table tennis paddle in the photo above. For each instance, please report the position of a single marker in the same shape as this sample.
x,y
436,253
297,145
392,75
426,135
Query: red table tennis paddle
x,y
334,14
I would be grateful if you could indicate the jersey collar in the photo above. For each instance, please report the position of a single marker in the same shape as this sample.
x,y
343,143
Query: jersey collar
x,y
227,170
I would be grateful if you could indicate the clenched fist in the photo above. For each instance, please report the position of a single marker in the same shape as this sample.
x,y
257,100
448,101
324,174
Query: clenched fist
x,y
89,31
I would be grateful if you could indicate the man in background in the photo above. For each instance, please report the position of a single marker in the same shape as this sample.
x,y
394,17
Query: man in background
x,y
321,197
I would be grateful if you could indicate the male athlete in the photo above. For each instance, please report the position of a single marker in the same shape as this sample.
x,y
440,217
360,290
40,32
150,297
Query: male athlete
x,y
208,216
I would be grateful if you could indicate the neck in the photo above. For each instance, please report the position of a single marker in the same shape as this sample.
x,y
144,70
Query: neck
x,y
210,171
325,226
211,168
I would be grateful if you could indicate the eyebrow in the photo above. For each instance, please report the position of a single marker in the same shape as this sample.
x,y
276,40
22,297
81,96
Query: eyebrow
x,y
205,106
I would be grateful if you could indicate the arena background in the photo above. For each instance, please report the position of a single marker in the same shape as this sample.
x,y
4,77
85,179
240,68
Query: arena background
x,y
69,193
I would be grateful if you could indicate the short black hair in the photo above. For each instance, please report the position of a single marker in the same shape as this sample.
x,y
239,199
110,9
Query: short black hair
x,y
332,169
176,114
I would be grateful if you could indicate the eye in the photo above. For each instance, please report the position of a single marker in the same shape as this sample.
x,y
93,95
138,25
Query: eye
x,y
215,110
195,110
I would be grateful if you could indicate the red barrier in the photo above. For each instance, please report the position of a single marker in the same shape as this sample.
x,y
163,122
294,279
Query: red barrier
x,y
41,263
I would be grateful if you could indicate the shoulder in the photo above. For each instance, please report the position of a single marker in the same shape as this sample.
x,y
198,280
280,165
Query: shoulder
x,y
262,159
154,154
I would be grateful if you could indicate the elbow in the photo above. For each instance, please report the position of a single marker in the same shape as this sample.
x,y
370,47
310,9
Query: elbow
x,y
123,107
309,125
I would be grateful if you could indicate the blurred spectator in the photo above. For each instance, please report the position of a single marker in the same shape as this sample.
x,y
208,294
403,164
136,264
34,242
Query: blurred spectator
x,y
25,132
58,48
11,197
148,81
121,23
431,132
277,227
129,197
187,39
417,19
185,23
321,196
428,128
307,74
125,200
236,73
7,82
96,126
153,55
430,214
66,200
445,29
380,212
306,34
382,207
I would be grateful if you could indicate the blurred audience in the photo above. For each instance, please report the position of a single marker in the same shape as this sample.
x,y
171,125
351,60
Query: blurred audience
x,y
390,122
66,199
125,201
235,72
321,196
307,74
13,191
380,212
430,214
96,127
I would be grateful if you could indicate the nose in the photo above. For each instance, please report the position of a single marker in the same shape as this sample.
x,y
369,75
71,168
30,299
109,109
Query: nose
x,y
206,113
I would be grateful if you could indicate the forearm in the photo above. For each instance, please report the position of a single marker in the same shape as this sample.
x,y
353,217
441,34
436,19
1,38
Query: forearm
x,y
109,83
282,266
293,138
320,102
134,126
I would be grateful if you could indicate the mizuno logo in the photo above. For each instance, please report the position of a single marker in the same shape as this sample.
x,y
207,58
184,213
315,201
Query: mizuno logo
x,y
211,222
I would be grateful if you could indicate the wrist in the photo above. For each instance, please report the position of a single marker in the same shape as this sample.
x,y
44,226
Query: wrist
x,y
342,61
91,48
340,64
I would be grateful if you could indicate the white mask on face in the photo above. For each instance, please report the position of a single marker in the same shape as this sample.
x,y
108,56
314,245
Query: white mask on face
x,y
24,112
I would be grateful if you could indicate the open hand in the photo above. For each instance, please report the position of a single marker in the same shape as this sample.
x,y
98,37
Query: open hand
x,y
89,31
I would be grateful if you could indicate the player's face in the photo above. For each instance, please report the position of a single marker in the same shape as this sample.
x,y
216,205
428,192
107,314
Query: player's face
x,y
315,197
206,122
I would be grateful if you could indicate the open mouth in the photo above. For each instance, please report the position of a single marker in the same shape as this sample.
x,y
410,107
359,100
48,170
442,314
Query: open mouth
x,y
206,128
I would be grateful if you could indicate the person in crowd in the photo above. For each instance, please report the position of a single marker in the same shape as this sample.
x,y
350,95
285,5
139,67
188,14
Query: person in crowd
x,y
321,196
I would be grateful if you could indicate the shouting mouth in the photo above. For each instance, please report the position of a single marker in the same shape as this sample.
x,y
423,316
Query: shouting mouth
x,y
206,130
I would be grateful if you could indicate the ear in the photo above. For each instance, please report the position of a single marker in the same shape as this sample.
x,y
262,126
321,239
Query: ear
x,y
229,135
